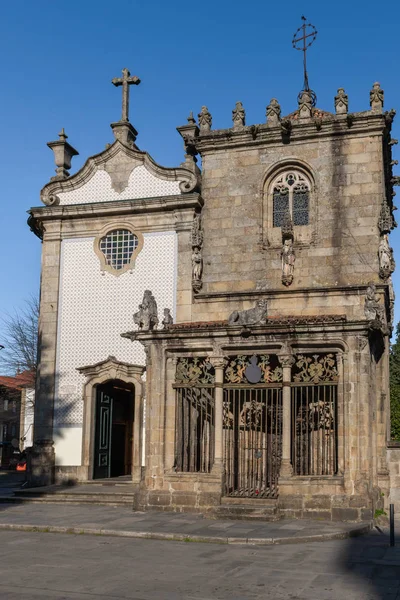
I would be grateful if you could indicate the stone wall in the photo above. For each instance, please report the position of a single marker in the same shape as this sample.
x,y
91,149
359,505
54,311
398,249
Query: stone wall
x,y
393,459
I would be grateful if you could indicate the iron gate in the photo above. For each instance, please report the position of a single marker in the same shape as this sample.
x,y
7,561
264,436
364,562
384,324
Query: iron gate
x,y
252,440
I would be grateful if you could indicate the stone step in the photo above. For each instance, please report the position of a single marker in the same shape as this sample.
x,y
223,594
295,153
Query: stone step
x,y
74,498
254,511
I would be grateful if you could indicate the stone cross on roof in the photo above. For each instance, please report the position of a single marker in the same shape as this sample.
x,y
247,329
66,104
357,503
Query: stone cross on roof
x,y
126,80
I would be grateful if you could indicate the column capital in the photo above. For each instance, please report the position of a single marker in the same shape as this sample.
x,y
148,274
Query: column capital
x,y
218,362
286,360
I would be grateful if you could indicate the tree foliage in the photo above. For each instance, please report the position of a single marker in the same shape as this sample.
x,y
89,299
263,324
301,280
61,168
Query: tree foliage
x,y
394,363
19,336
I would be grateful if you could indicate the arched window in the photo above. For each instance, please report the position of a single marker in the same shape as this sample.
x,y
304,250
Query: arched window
x,y
290,194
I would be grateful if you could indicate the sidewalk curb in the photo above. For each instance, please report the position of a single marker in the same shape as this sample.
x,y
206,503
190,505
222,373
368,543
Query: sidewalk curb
x,y
181,537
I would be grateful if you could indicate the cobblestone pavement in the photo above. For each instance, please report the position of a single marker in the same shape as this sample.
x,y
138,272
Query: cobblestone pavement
x,y
123,521
80,567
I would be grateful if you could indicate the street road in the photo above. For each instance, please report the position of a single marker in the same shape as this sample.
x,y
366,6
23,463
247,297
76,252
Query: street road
x,y
84,567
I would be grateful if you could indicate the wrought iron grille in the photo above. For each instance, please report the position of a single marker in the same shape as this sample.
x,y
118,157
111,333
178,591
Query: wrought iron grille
x,y
252,441
314,415
194,429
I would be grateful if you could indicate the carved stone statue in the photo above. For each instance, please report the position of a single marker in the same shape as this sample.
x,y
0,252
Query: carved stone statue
x,y
167,320
238,116
385,221
252,316
197,264
273,112
373,310
205,120
147,317
288,259
386,260
376,96
341,102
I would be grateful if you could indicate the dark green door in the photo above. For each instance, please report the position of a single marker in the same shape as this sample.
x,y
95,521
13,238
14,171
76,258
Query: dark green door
x,y
104,417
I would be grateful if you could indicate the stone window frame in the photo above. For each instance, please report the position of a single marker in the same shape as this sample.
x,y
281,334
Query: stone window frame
x,y
304,235
104,267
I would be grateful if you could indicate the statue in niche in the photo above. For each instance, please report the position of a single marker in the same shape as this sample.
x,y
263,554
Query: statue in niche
x,y
167,320
386,260
197,264
147,315
288,257
252,316
373,310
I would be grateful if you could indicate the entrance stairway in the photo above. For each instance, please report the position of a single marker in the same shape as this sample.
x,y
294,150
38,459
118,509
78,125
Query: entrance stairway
x,y
255,509
112,492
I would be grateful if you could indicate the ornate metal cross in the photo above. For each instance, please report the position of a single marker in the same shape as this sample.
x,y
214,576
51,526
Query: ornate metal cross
x,y
126,80
309,31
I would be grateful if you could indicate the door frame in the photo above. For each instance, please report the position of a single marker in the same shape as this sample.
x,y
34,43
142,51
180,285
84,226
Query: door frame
x,y
98,374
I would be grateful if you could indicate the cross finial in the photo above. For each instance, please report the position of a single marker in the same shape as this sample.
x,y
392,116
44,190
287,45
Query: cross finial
x,y
126,80
302,42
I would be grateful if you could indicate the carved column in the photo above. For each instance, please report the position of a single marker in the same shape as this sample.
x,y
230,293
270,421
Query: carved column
x,y
286,360
218,363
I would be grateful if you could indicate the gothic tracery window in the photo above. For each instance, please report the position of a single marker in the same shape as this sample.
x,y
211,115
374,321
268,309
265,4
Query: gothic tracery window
x,y
291,194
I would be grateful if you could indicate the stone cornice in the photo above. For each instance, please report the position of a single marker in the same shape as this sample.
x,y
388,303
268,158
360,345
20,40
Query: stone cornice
x,y
189,180
274,327
335,290
116,367
354,124
40,214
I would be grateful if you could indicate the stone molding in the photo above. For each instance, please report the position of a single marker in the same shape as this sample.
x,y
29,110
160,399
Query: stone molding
x,y
40,215
96,245
111,368
189,180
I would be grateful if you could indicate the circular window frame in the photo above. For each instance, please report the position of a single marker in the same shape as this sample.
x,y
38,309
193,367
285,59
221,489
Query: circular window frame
x,y
104,267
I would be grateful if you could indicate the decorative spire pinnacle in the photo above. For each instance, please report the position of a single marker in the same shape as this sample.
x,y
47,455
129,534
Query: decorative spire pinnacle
x,y
238,116
62,135
191,120
376,97
205,120
302,43
126,80
341,102
273,113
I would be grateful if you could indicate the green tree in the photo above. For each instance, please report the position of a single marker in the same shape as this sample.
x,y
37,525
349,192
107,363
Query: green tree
x,y
394,363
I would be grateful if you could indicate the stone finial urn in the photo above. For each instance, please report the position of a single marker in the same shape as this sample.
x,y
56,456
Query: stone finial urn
x,y
63,153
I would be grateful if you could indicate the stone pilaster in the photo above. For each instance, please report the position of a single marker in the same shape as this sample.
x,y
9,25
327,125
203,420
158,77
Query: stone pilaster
x,y
218,363
286,360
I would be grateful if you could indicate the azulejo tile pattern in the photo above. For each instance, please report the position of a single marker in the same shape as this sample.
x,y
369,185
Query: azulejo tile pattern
x,y
142,184
95,309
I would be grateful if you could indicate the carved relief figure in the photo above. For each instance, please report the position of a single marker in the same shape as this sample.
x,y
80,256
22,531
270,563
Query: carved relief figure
x,y
147,317
197,259
252,316
288,259
373,310
386,260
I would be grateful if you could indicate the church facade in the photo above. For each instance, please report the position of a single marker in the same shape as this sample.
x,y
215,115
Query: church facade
x,y
221,337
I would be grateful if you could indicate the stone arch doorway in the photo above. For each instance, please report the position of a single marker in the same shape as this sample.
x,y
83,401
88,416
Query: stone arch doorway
x,y
123,382
114,429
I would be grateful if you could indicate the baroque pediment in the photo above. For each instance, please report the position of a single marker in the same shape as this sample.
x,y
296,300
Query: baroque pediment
x,y
120,172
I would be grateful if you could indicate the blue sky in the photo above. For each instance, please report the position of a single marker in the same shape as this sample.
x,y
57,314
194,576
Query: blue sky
x,y
57,61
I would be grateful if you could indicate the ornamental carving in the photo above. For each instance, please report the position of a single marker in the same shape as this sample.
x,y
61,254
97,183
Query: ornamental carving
x,y
195,371
315,368
251,316
205,120
254,369
373,309
385,221
273,112
386,260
